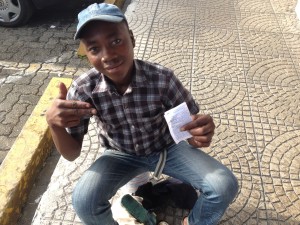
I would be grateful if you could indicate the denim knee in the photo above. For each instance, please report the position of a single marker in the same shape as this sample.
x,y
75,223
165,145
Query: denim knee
x,y
223,186
232,187
80,202
86,201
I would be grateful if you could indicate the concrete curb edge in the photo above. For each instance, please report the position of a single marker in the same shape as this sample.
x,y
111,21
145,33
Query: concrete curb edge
x,y
28,153
26,157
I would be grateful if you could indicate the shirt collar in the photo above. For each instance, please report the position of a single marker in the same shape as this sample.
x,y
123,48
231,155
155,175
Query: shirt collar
x,y
138,80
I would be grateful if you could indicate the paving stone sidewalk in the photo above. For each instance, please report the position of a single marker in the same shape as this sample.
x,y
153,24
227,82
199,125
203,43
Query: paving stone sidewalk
x,y
30,56
241,61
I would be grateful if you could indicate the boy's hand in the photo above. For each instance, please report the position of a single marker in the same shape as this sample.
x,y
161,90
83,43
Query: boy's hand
x,y
67,113
202,129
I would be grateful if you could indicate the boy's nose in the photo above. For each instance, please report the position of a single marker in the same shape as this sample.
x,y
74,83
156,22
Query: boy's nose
x,y
107,54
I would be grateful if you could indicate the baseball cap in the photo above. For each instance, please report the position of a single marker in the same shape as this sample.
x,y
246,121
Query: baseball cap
x,y
103,12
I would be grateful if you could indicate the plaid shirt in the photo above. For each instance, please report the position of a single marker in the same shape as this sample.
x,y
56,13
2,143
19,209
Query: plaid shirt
x,y
133,122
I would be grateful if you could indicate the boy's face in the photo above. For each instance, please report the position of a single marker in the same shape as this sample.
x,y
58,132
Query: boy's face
x,y
109,48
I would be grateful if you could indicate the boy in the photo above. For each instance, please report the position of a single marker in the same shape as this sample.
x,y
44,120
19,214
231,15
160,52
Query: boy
x,y
128,98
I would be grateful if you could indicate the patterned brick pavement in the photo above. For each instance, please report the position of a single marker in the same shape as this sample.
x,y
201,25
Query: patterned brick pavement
x,y
30,56
240,59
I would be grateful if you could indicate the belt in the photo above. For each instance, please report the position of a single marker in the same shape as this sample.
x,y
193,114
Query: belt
x,y
159,167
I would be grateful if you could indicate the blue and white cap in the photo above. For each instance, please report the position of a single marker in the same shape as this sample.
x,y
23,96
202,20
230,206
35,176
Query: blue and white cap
x,y
102,12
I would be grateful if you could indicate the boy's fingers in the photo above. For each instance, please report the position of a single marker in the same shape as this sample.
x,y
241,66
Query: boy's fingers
x,y
204,138
62,91
77,105
84,112
72,104
198,121
78,113
203,130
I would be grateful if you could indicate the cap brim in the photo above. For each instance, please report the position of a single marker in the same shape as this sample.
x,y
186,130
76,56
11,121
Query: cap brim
x,y
106,18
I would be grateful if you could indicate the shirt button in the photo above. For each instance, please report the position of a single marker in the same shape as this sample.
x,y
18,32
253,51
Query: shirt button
x,y
136,146
132,126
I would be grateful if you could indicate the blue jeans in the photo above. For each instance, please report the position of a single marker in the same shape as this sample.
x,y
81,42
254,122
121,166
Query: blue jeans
x,y
113,169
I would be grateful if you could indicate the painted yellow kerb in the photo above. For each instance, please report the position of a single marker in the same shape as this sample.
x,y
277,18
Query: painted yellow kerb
x,y
28,153
25,158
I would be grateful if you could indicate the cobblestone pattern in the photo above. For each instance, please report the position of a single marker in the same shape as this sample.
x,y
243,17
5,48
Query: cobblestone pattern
x,y
240,59
30,57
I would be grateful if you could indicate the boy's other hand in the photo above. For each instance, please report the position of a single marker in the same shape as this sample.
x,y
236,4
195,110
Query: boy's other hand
x,y
202,129
67,113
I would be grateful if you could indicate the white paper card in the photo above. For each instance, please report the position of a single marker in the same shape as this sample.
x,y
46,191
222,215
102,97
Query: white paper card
x,y
176,118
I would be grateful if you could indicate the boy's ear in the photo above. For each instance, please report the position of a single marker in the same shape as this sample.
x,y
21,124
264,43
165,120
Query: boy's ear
x,y
132,38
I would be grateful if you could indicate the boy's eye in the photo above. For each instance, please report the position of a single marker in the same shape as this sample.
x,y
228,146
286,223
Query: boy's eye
x,y
93,49
117,41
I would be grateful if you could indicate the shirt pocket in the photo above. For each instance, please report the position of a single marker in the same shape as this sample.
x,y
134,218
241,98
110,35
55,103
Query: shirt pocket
x,y
152,125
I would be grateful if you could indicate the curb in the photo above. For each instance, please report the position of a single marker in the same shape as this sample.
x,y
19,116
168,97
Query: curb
x,y
28,153
26,157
